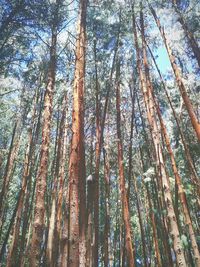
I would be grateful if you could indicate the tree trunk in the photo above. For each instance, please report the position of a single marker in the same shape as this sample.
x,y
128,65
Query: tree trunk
x,y
90,208
181,86
13,151
130,149
124,200
61,178
39,213
52,249
64,244
3,247
146,90
151,113
77,196
155,238
181,192
12,256
52,199
194,176
99,132
30,192
99,135
107,243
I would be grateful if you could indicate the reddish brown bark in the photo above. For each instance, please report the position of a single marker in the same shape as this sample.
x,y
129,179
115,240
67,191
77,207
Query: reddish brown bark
x,y
130,149
151,115
77,197
140,222
51,213
181,192
152,217
39,214
57,191
12,256
161,224
61,177
63,257
155,237
99,135
181,86
30,193
99,132
194,176
13,151
124,200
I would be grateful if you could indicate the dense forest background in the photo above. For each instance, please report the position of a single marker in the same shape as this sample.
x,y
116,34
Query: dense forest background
x,y
99,133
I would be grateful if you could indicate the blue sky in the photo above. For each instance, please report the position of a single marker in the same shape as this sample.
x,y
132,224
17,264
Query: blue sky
x,y
163,59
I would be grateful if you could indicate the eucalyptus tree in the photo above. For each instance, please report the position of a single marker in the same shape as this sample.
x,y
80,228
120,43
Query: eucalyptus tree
x,y
70,110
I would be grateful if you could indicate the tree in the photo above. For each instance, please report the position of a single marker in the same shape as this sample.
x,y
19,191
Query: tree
x,y
125,208
180,83
77,198
99,158
39,214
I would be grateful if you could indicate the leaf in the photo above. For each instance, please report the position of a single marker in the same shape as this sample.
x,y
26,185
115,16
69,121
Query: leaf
x,y
184,241
147,180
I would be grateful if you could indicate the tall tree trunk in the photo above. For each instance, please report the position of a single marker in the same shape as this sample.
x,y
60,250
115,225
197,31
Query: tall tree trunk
x,y
145,86
3,247
64,244
56,206
162,228
181,86
99,132
52,198
13,151
130,149
30,192
77,195
124,200
61,179
90,208
12,256
39,213
116,240
140,222
152,217
151,113
107,241
194,176
155,237
181,192
99,135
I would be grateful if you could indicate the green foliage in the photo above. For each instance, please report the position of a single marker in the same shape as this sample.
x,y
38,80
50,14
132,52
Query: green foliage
x,y
24,54
184,241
